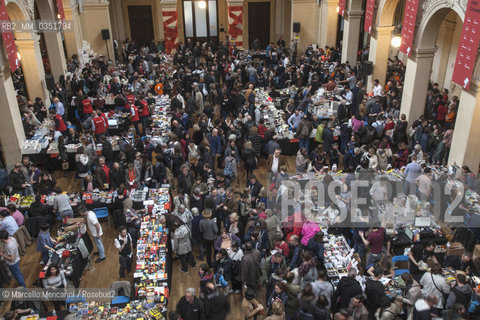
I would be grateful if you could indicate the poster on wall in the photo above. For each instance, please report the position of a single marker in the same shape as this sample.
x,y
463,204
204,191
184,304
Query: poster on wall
x,y
341,7
369,16
408,26
467,48
8,39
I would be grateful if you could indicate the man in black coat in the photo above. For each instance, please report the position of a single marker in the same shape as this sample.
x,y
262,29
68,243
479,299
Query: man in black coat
x,y
17,179
374,290
117,176
347,288
254,185
217,305
327,136
190,307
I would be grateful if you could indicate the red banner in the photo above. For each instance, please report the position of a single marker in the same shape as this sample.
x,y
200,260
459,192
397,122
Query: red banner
x,y
8,39
467,48
170,30
408,26
369,16
341,7
235,27
60,10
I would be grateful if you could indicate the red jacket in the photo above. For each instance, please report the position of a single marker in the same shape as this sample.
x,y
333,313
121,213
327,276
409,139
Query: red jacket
x,y
99,125
135,116
87,106
131,98
145,112
59,123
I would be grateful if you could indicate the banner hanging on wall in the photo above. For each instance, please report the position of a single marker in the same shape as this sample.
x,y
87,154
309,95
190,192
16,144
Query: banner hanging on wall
x,y
60,10
467,48
235,25
408,26
170,30
369,16
8,39
341,7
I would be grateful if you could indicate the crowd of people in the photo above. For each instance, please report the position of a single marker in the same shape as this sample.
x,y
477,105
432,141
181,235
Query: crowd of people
x,y
217,140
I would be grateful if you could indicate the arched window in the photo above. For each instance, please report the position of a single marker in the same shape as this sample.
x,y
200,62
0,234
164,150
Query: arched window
x,y
200,20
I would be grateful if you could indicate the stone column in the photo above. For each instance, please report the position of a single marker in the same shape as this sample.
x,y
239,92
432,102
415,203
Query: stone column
x,y
351,34
170,24
465,149
235,22
32,66
12,134
73,38
328,23
56,54
417,76
309,30
379,50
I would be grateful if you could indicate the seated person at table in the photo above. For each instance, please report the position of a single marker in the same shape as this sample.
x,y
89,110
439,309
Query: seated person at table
x,y
38,209
7,223
420,252
17,215
384,264
463,262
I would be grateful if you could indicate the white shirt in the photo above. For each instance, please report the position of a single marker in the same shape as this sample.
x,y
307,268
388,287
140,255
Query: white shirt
x,y
348,97
377,90
92,222
275,165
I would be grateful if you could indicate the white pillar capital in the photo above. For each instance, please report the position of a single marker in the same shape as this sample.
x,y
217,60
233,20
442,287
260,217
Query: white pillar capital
x,y
383,30
354,14
425,53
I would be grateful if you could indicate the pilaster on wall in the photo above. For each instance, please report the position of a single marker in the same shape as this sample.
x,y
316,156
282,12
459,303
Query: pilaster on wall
x,y
307,12
73,38
235,22
351,34
12,134
170,24
32,64
465,149
94,18
416,82
328,23
379,51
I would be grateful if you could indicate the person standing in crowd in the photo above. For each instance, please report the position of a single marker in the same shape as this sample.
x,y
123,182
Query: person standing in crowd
x,y
11,256
45,243
190,306
208,228
95,229
124,245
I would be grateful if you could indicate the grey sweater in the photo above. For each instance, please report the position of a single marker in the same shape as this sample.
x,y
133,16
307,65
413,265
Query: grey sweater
x,y
209,229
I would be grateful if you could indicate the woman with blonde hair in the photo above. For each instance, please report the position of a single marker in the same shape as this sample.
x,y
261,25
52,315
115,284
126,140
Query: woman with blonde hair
x,y
278,311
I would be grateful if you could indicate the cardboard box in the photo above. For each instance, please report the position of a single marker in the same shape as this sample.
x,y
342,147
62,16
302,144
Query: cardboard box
x,y
455,249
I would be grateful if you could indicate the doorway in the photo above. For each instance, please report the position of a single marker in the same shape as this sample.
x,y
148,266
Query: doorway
x,y
200,20
259,23
141,24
